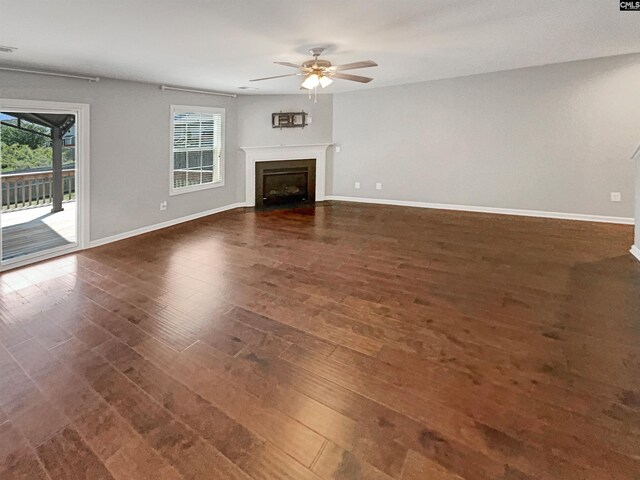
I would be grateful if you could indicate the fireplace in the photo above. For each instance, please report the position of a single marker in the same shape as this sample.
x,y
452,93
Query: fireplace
x,y
255,156
285,182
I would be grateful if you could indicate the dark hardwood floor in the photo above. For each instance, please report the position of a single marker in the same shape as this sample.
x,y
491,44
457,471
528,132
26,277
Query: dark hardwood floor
x,y
342,342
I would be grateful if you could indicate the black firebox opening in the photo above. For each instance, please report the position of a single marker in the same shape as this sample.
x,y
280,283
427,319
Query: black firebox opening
x,y
285,183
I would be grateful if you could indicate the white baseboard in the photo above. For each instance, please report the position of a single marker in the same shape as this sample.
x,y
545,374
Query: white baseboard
x,y
158,226
500,211
635,251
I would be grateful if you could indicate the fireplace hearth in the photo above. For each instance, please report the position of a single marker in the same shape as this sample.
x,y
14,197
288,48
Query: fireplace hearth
x,y
285,183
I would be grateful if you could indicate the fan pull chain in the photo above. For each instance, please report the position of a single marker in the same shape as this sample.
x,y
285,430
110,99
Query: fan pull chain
x,y
315,95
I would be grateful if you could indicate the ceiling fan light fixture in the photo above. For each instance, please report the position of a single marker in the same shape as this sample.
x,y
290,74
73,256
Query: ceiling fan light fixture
x,y
320,72
311,82
325,81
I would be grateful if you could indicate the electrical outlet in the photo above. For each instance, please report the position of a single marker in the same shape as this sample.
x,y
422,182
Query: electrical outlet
x,y
616,196
378,186
357,185
163,205
337,148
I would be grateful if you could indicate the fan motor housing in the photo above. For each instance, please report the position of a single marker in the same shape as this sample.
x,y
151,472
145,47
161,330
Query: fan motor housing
x,y
317,64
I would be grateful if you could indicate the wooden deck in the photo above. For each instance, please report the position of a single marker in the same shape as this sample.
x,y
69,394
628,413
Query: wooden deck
x,y
36,229
342,342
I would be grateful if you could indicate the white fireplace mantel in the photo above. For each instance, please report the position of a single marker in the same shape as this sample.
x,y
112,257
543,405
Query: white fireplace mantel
x,y
317,151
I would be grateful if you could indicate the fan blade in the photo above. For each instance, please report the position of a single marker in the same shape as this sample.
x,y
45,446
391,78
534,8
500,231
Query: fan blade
x,y
352,66
277,76
289,64
353,78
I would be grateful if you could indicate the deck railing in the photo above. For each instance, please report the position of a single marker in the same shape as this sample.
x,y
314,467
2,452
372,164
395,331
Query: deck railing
x,y
30,189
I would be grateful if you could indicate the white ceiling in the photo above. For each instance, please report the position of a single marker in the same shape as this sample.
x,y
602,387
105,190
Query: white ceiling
x,y
221,44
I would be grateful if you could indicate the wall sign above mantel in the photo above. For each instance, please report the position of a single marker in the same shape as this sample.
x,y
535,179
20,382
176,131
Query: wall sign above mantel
x,y
289,120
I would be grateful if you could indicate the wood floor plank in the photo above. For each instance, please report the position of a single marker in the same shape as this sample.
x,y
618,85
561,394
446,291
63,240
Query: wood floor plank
x,y
418,467
357,424
337,463
67,457
296,439
526,414
17,460
180,446
105,431
230,437
138,460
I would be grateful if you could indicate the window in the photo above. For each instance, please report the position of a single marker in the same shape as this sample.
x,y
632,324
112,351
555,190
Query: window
x,y
197,150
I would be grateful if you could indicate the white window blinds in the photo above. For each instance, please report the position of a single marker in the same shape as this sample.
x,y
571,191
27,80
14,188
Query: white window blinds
x,y
197,147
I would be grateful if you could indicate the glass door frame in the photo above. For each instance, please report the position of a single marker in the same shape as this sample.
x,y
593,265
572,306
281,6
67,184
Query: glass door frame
x,y
81,111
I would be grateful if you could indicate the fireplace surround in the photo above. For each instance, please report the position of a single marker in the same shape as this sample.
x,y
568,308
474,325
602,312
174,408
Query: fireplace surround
x,y
277,153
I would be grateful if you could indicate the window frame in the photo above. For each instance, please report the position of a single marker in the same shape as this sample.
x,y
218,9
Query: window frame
x,y
203,186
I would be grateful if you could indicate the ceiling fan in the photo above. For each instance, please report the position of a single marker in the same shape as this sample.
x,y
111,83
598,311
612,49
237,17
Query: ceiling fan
x,y
321,72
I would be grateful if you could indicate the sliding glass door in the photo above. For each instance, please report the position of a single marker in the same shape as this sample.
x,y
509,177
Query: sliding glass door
x,y
39,161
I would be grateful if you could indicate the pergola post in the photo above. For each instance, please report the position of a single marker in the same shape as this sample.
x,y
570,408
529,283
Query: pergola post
x,y
57,194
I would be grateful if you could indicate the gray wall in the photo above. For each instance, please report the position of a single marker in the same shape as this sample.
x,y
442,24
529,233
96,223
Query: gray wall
x,y
130,125
254,120
254,124
555,138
